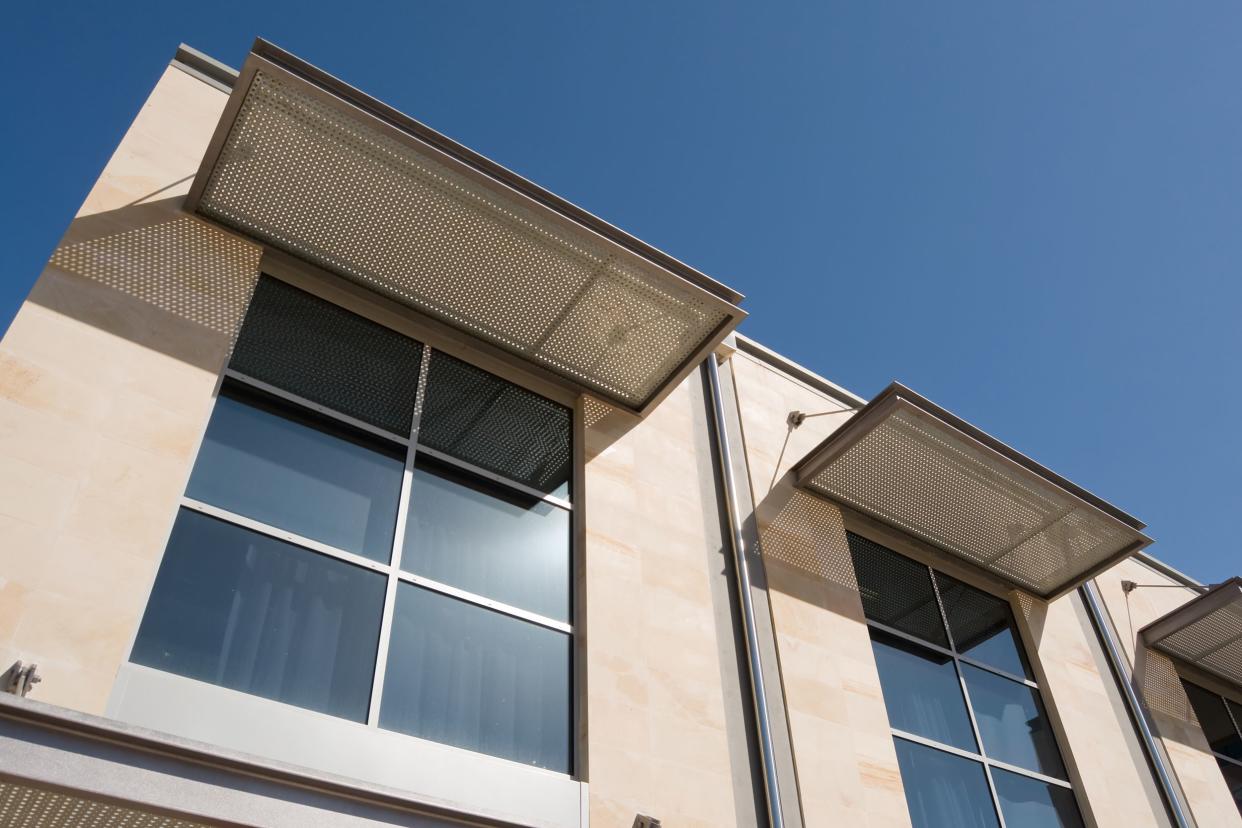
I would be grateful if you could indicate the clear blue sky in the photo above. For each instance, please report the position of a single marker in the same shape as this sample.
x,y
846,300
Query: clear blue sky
x,y
1031,213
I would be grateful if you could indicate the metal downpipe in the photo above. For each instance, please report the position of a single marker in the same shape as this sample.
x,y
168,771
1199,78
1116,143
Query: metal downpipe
x,y
1138,712
737,545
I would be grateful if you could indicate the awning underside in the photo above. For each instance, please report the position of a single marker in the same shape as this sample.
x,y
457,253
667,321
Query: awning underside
x,y
311,174
907,463
1205,633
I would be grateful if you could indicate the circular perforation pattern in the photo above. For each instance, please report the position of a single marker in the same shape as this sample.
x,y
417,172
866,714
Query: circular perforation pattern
x,y
913,473
1214,642
311,177
27,807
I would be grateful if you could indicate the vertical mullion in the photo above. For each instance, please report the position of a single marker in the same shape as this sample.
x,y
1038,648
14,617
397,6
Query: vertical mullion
x,y
394,567
974,726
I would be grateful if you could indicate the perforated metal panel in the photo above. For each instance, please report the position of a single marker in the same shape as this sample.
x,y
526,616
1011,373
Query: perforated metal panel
x,y
496,425
896,591
1205,632
305,172
912,465
320,351
23,806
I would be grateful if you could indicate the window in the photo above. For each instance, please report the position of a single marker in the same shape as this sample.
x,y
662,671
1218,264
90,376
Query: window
x,y
972,737
376,531
1221,721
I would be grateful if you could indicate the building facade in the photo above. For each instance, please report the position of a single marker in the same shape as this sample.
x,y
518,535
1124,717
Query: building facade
x,y
350,479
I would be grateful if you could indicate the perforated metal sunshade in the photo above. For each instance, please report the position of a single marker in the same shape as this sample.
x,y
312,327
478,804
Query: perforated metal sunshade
x,y
911,464
314,168
1205,633
26,806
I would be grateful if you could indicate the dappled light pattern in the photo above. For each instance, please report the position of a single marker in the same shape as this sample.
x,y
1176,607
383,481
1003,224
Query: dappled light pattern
x,y
1161,688
595,412
808,533
182,266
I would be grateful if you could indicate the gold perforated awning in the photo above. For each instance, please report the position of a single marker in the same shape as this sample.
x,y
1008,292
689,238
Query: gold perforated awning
x,y
909,463
316,169
1205,633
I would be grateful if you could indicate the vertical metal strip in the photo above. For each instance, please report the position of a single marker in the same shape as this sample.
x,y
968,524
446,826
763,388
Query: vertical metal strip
x,y
1138,712
394,565
737,545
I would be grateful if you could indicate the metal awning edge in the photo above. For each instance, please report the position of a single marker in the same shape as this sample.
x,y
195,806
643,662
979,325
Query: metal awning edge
x,y
1194,610
876,411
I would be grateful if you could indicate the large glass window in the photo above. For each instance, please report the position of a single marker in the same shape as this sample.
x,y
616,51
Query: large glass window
x,y
333,554
1221,721
973,739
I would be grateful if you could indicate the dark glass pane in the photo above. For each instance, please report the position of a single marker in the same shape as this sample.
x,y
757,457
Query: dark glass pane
x,y
1012,722
1233,778
921,691
943,790
1029,803
466,676
896,591
498,426
295,472
982,626
320,351
488,540
251,613
1214,718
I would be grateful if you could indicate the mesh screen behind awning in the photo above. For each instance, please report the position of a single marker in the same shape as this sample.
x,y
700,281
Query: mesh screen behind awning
x,y
316,169
1205,633
911,464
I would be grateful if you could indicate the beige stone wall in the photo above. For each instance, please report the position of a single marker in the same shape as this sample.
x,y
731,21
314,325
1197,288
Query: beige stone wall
x,y
1155,676
663,732
106,381
846,764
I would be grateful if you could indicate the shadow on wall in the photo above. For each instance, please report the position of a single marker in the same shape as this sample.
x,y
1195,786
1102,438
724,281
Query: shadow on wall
x,y
1160,688
805,552
153,268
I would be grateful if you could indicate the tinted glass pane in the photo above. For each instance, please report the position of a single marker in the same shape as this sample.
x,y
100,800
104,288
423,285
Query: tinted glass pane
x,y
922,692
1215,721
300,474
1233,778
488,540
249,612
493,424
1029,803
477,679
982,626
1012,722
943,790
896,591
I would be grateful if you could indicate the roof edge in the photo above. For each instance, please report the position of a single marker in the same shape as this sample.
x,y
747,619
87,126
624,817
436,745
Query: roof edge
x,y
205,68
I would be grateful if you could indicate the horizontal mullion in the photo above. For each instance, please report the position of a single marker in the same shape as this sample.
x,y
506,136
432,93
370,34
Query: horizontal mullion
x,y
492,476
289,396
282,534
486,603
978,757
1228,759
945,651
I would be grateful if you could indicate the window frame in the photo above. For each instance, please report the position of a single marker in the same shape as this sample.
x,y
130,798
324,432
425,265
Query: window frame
x,y
377,309
1228,703
936,563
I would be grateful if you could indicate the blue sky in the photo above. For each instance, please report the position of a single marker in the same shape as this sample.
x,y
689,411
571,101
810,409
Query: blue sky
x,y
1031,213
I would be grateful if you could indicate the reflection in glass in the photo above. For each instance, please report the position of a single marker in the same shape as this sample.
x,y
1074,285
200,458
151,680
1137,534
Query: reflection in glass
x,y
489,540
1012,723
896,591
1029,803
1233,778
286,469
982,626
944,790
1215,721
466,676
922,691
252,613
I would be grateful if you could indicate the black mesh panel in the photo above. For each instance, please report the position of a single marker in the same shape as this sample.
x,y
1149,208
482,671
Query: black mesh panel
x,y
495,425
896,591
320,351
